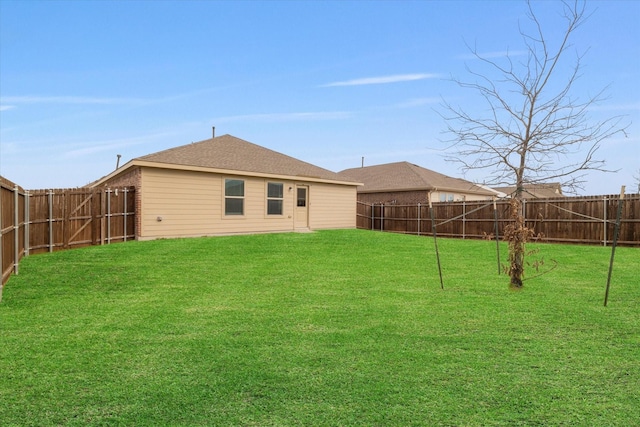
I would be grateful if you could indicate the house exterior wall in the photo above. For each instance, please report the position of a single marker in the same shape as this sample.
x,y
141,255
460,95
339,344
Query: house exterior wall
x,y
414,197
177,203
332,206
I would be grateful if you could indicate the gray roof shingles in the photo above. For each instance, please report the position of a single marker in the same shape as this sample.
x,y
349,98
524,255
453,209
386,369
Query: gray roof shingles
x,y
405,176
536,191
234,154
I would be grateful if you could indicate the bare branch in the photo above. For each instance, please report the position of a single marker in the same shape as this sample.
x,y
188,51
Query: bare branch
x,y
535,129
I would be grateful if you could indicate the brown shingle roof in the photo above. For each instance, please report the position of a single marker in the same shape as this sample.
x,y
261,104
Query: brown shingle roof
x,y
234,154
536,191
405,176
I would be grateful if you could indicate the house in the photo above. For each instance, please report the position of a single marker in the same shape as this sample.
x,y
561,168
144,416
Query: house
x,y
536,191
406,183
225,185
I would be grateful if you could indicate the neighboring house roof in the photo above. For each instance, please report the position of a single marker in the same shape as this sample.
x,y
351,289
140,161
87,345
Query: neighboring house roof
x,y
536,191
405,176
499,194
228,154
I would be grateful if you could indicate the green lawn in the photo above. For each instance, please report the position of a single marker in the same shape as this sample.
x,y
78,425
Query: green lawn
x,y
333,328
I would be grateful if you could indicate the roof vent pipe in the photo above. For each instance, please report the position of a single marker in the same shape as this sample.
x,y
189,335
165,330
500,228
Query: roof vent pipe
x,y
118,161
362,162
213,131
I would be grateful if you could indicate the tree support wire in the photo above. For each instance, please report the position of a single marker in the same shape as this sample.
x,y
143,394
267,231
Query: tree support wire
x,y
435,241
461,215
616,231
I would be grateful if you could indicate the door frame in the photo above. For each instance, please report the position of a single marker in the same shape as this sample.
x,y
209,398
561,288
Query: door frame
x,y
301,215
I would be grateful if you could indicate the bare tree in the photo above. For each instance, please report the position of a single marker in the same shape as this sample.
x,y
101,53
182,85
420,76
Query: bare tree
x,y
637,178
533,129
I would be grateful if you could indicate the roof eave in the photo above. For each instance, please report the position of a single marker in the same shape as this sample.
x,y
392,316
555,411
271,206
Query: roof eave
x,y
113,174
173,166
392,190
455,190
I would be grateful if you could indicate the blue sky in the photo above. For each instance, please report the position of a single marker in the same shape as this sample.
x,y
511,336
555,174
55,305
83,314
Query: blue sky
x,y
327,82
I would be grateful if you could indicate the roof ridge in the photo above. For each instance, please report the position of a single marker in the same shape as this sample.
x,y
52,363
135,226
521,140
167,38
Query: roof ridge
x,y
405,175
166,150
412,168
228,152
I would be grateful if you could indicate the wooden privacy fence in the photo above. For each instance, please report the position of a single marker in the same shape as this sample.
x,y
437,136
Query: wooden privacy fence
x,y
589,220
50,220
70,218
14,231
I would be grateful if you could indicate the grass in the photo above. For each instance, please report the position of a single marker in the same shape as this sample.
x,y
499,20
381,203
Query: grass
x,y
332,328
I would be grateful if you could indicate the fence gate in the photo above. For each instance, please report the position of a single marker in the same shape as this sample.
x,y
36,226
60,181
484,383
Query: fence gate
x,y
72,218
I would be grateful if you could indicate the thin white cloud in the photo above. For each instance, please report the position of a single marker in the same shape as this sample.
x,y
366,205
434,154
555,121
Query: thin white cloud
x,y
493,55
396,78
6,107
285,117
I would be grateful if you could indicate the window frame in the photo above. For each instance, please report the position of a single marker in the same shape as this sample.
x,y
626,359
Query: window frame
x,y
230,197
447,197
270,198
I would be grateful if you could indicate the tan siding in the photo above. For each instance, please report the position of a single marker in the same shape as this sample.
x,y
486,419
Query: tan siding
x,y
191,204
332,206
187,202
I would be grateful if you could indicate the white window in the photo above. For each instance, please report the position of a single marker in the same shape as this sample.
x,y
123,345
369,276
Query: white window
x,y
233,197
275,198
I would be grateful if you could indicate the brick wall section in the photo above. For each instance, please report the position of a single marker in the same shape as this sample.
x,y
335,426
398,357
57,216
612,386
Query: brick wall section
x,y
395,197
132,178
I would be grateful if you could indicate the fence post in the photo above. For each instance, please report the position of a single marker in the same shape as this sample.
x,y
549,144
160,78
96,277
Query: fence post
x,y
103,213
1,245
418,218
27,224
108,216
16,229
381,216
50,220
95,218
66,220
125,214
605,220
373,215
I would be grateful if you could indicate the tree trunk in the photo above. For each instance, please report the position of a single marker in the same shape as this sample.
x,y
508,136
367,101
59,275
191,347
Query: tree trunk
x,y
517,234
